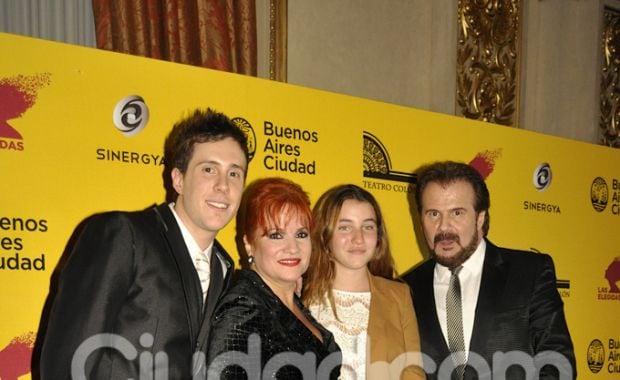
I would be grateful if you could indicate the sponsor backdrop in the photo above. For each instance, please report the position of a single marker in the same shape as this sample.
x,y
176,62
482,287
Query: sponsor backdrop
x,y
82,131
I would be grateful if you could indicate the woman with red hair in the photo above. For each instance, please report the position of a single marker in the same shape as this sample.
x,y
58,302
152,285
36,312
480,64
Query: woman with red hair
x,y
260,327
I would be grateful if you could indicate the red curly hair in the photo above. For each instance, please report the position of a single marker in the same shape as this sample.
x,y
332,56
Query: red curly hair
x,y
267,199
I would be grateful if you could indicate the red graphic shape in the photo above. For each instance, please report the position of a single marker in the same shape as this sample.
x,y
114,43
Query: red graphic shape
x,y
17,95
612,274
484,162
16,356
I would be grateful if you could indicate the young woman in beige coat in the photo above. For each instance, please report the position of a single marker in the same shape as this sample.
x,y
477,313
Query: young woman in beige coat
x,y
349,288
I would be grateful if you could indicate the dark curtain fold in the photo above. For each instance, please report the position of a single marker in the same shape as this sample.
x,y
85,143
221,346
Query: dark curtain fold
x,y
217,34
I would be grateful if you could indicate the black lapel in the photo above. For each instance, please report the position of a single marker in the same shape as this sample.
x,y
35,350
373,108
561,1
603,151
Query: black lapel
x,y
217,287
185,267
228,261
491,286
433,341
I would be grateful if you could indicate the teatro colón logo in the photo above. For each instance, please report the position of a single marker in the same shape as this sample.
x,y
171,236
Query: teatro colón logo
x,y
377,165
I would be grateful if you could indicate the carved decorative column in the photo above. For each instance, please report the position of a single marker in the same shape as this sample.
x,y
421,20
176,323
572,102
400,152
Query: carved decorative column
x,y
278,39
610,83
488,50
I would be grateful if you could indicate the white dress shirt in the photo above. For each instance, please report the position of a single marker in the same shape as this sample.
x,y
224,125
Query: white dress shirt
x,y
469,277
193,247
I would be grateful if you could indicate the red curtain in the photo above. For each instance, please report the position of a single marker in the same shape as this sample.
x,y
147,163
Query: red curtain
x,y
218,34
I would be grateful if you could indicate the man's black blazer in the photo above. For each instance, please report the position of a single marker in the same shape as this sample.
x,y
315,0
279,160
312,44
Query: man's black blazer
x,y
519,309
129,275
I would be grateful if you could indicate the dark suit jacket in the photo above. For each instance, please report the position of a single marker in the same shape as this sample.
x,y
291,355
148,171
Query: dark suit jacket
x,y
129,275
519,308
250,307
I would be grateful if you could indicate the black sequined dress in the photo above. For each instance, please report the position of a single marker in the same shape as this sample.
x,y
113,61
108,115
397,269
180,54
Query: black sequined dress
x,y
254,332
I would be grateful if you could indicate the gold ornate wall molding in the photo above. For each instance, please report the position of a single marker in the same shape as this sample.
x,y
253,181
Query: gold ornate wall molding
x,y
488,50
610,78
278,39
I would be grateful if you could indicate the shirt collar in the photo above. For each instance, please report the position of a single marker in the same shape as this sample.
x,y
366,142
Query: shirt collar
x,y
190,242
472,265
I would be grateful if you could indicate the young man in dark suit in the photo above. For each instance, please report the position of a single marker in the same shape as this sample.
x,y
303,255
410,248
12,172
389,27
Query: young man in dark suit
x,y
137,292
489,307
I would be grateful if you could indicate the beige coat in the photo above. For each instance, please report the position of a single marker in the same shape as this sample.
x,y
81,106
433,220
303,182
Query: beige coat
x,y
392,332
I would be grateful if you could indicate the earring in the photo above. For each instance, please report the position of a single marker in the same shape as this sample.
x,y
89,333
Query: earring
x,y
250,260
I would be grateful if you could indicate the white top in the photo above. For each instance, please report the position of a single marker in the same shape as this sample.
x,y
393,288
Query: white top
x,y
469,277
350,329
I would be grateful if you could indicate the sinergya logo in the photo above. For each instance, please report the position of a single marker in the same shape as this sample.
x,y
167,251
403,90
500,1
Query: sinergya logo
x,y
130,115
542,177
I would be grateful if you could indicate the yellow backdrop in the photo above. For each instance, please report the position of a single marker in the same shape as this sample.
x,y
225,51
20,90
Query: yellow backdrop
x,y
62,158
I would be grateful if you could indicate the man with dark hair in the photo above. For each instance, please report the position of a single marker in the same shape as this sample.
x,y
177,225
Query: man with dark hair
x,y
138,289
482,309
